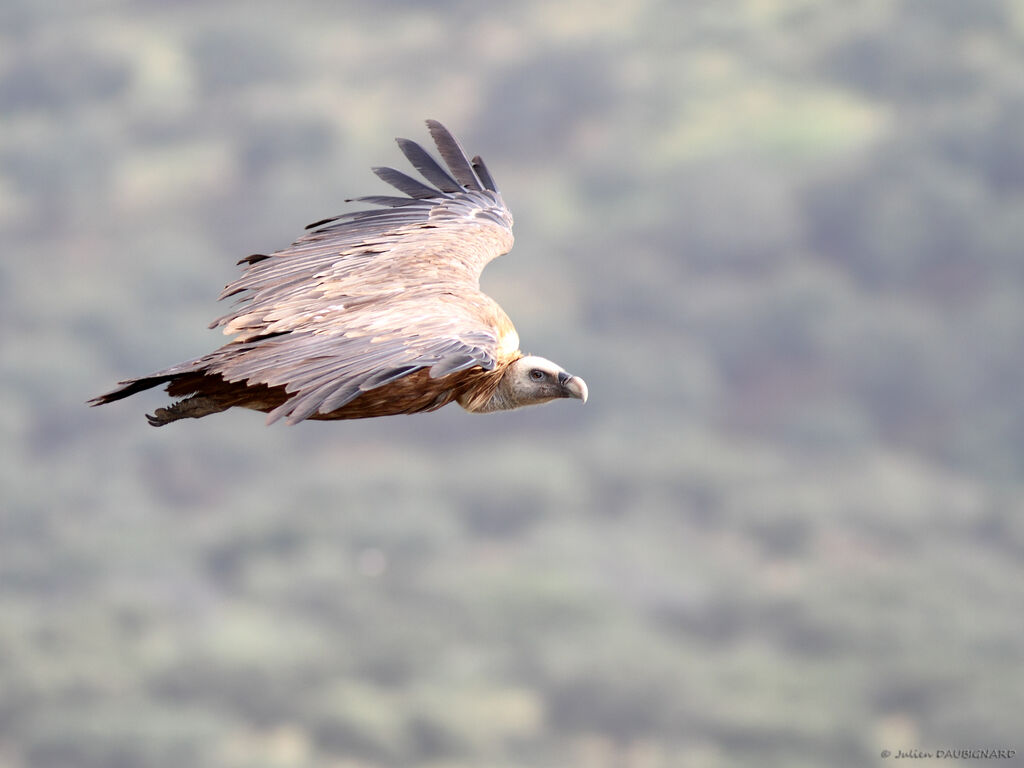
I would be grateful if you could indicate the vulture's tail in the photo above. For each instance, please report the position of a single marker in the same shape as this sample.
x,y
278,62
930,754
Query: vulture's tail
x,y
203,392
181,380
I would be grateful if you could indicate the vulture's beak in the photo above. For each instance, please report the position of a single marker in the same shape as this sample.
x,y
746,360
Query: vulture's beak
x,y
573,386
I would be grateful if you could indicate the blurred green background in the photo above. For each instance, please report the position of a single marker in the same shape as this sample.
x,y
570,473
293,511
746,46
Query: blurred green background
x,y
781,240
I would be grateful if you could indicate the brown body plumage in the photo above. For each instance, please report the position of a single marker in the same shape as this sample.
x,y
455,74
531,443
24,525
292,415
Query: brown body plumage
x,y
373,313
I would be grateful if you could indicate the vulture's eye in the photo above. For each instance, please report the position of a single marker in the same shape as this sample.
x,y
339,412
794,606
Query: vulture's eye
x,y
537,375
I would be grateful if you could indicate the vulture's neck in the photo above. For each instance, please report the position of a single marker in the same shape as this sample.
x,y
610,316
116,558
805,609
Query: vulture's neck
x,y
499,396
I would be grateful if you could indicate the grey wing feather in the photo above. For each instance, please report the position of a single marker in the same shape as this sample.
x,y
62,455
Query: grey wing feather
x,y
405,183
350,367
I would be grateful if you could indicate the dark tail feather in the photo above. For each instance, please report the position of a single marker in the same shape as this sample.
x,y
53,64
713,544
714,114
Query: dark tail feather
x,y
131,386
203,393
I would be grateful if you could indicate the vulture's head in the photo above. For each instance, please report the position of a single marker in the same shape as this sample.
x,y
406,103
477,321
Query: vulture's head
x,y
532,380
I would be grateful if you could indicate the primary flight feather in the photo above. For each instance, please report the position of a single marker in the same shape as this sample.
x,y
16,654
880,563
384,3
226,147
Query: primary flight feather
x,y
373,313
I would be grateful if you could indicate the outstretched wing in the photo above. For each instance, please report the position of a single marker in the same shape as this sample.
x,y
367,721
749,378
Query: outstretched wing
x,y
369,297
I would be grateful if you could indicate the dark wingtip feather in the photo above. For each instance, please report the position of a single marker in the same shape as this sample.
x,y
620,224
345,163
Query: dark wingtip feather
x,y
253,259
389,201
321,222
405,183
464,175
453,155
425,164
484,175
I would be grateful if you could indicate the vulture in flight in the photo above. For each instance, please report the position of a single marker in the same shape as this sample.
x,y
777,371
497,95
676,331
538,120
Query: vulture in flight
x,y
373,313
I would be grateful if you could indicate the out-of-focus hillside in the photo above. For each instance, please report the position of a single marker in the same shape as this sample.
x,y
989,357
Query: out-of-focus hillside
x,y
780,239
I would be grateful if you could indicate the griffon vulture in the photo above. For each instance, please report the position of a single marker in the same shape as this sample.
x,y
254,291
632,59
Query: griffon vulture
x,y
373,313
